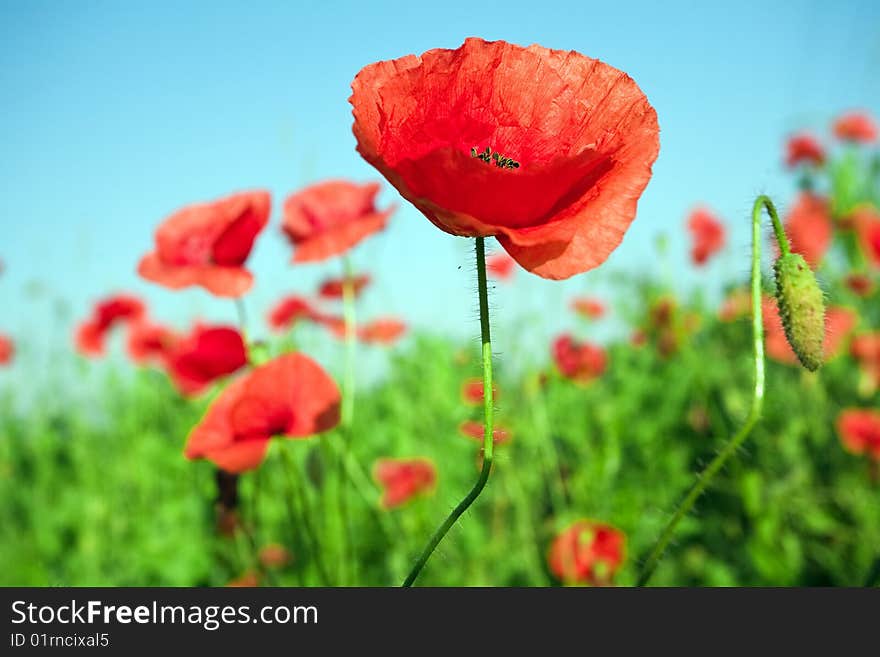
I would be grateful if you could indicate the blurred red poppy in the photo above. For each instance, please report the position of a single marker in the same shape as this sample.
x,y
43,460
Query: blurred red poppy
x,y
859,430
472,391
587,552
866,221
208,353
248,580
289,310
148,342
475,430
839,322
403,479
107,313
7,350
274,555
638,338
737,304
334,288
707,235
500,266
290,396
804,148
579,361
385,330
207,244
809,227
331,217
855,127
588,307
860,284
865,348
547,150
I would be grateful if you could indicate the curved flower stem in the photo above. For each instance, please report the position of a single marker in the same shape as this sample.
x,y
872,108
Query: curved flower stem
x,y
488,409
348,311
242,317
706,476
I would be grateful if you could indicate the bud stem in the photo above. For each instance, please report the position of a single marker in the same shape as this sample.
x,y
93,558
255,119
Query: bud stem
x,y
732,445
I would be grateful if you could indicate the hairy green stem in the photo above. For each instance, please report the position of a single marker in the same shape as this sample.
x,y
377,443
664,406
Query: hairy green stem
x,y
706,476
488,410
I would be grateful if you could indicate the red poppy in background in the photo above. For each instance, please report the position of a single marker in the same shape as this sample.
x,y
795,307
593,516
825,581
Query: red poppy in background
x,y
205,355
855,127
804,148
207,244
839,322
472,391
866,221
865,348
148,342
403,479
588,552
385,330
289,310
334,288
475,430
809,227
331,217
274,555
7,350
500,266
290,396
588,307
859,430
247,580
859,284
578,361
737,304
547,150
107,313
707,235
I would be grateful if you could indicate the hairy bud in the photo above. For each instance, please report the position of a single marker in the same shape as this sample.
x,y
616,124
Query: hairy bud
x,y
801,307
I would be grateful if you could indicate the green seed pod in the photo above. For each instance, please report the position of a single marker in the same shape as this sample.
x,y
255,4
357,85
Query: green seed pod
x,y
801,308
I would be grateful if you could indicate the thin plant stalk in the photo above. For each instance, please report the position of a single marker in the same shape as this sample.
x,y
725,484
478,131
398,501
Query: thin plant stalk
x,y
348,312
488,410
729,449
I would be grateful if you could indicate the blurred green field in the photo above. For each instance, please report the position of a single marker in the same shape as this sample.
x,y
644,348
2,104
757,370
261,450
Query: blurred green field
x,y
99,493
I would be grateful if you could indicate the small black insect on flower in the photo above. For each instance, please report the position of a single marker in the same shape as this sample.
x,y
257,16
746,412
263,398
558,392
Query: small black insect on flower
x,y
488,156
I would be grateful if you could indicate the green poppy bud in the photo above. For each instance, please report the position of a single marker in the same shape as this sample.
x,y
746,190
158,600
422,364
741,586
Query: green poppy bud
x,y
801,307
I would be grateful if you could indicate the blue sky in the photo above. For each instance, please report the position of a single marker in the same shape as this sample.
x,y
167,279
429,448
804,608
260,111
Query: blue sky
x,y
117,113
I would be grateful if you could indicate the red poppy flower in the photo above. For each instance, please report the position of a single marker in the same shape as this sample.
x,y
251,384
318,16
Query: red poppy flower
x,y
804,148
859,430
107,313
274,555
290,396
403,479
638,338
500,266
663,312
334,288
247,580
707,234
578,361
855,127
866,221
472,392
737,304
588,552
385,330
589,308
475,430
150,342
547,150
331,217
839,322
205,355
7,350
865,348
207,244
290,310
860,284
808,227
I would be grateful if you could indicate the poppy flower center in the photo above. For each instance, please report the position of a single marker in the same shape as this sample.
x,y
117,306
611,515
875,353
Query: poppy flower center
x,y
489,156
